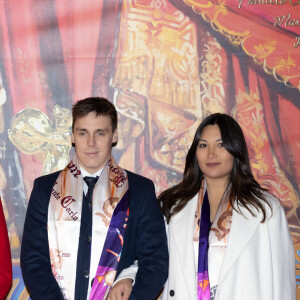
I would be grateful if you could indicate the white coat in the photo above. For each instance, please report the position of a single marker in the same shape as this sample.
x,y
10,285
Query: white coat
x,y
259,261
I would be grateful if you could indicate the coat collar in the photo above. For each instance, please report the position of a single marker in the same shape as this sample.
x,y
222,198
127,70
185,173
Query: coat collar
x,y
242,229
182,224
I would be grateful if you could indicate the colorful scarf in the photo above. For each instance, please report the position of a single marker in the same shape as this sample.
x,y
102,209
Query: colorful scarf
x,y
112,250
64,218
212,237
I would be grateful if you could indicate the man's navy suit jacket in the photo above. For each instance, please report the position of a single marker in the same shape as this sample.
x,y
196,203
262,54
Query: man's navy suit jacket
x,y
145,241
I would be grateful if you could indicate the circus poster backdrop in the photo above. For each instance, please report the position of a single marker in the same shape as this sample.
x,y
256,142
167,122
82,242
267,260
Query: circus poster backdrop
x,y
165,65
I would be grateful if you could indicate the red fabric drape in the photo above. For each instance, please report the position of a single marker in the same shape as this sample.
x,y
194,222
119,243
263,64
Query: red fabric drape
x,y
5,258
253,29
22,64
79,24
274,102
58,45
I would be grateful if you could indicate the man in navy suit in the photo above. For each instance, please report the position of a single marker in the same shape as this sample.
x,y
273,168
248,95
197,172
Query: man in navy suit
x,y
94,230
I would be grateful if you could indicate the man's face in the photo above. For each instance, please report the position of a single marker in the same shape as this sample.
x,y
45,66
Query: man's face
x,y
93,137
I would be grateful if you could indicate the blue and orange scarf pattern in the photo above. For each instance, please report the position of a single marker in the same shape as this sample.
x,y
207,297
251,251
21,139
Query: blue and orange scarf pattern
x,y
112,250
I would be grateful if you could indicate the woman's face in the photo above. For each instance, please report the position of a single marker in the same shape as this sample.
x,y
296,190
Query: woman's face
x,y
213,159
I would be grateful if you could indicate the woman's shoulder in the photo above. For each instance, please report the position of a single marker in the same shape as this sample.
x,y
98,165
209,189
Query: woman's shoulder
x,y
271,205
272,200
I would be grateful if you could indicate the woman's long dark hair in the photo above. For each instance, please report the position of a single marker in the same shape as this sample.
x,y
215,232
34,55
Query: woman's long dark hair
x,y
245,190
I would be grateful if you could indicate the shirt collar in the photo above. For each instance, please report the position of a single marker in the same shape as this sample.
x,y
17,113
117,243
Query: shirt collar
x,y
86,173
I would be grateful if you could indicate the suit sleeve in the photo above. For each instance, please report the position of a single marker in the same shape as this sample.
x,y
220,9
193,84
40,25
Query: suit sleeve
x,y
35,258
283,257
5,258
151,248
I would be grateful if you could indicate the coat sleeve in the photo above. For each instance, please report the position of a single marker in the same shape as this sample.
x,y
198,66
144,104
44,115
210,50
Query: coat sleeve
x,y
151,248
283,257
35,258
5,257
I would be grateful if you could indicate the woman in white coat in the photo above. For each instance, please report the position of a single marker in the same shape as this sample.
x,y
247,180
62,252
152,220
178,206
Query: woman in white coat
x,y
228,237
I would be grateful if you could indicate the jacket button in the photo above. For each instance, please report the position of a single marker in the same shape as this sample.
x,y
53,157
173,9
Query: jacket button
x,y
86,274
88,238
172,293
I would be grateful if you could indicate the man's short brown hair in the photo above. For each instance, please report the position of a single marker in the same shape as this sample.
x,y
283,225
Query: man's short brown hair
x,y
99,105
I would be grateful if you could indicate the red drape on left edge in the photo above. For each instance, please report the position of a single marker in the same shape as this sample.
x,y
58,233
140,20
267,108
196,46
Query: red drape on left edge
x,y
5,257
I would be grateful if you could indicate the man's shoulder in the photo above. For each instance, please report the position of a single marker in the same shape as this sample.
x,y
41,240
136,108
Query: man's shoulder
x,y
49,178
42,189
141,190
138,179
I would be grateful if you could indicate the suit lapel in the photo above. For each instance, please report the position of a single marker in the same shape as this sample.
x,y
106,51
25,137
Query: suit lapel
x,y
182,231
242,229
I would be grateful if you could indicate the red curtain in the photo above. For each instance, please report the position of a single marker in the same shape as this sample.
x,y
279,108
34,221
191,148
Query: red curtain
x,y
51,43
